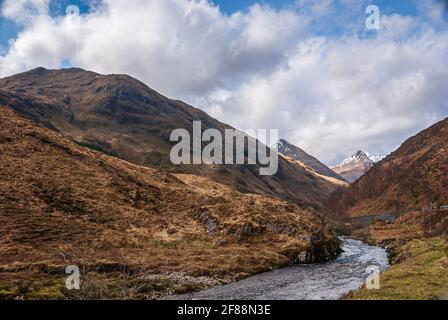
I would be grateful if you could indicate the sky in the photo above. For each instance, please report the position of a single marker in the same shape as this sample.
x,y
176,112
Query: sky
x,y
311,69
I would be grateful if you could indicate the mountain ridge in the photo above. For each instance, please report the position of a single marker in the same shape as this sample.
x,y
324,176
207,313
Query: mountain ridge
x,y
122,116
295,153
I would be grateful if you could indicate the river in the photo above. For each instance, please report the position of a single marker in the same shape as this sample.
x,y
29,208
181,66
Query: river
x,y
326,281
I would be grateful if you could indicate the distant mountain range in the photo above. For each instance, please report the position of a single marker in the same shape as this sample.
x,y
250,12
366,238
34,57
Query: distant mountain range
x,y
354,167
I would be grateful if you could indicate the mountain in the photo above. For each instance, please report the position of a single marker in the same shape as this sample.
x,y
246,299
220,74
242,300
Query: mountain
x,y
357,165
121,116
294,153
135,232
413,177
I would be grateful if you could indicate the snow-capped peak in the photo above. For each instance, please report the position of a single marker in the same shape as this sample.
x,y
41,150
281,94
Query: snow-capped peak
x,y
358,164
362,156
374,157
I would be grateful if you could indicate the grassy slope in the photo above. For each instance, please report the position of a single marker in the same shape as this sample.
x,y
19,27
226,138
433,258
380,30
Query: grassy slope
x,y
421,275
135,232
418,253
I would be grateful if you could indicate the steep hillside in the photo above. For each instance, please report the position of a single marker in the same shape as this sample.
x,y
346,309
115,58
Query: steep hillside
x,y
135,232
293,152
351,169
121,116
413,177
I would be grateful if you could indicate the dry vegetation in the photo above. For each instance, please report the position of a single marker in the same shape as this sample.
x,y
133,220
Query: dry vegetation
x,y
420,272
134,231
418,250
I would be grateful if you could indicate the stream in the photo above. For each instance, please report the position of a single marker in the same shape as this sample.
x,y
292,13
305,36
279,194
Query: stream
x,y
326,281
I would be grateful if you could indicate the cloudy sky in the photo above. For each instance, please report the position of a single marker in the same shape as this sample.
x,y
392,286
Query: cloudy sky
x,y
309,68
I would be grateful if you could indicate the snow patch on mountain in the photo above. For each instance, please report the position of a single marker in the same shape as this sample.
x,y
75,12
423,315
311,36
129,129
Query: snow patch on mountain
x,y
357,165
362,156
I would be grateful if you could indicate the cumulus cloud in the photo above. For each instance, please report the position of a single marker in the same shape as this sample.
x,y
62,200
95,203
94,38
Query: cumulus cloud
x,y
339,95
182,48
261,68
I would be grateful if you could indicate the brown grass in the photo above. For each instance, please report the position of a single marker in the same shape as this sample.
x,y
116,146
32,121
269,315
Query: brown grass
x,y
62,204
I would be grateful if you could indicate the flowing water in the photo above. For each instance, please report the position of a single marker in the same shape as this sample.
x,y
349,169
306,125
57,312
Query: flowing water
x,y
327,281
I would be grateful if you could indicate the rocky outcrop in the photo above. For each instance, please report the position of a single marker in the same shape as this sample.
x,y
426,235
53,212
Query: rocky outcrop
x,y
318,251
322,251
205,218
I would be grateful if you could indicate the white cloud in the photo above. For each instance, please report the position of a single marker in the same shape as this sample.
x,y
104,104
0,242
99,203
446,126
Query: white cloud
x,y
339,95
24,11
182,48
261,68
